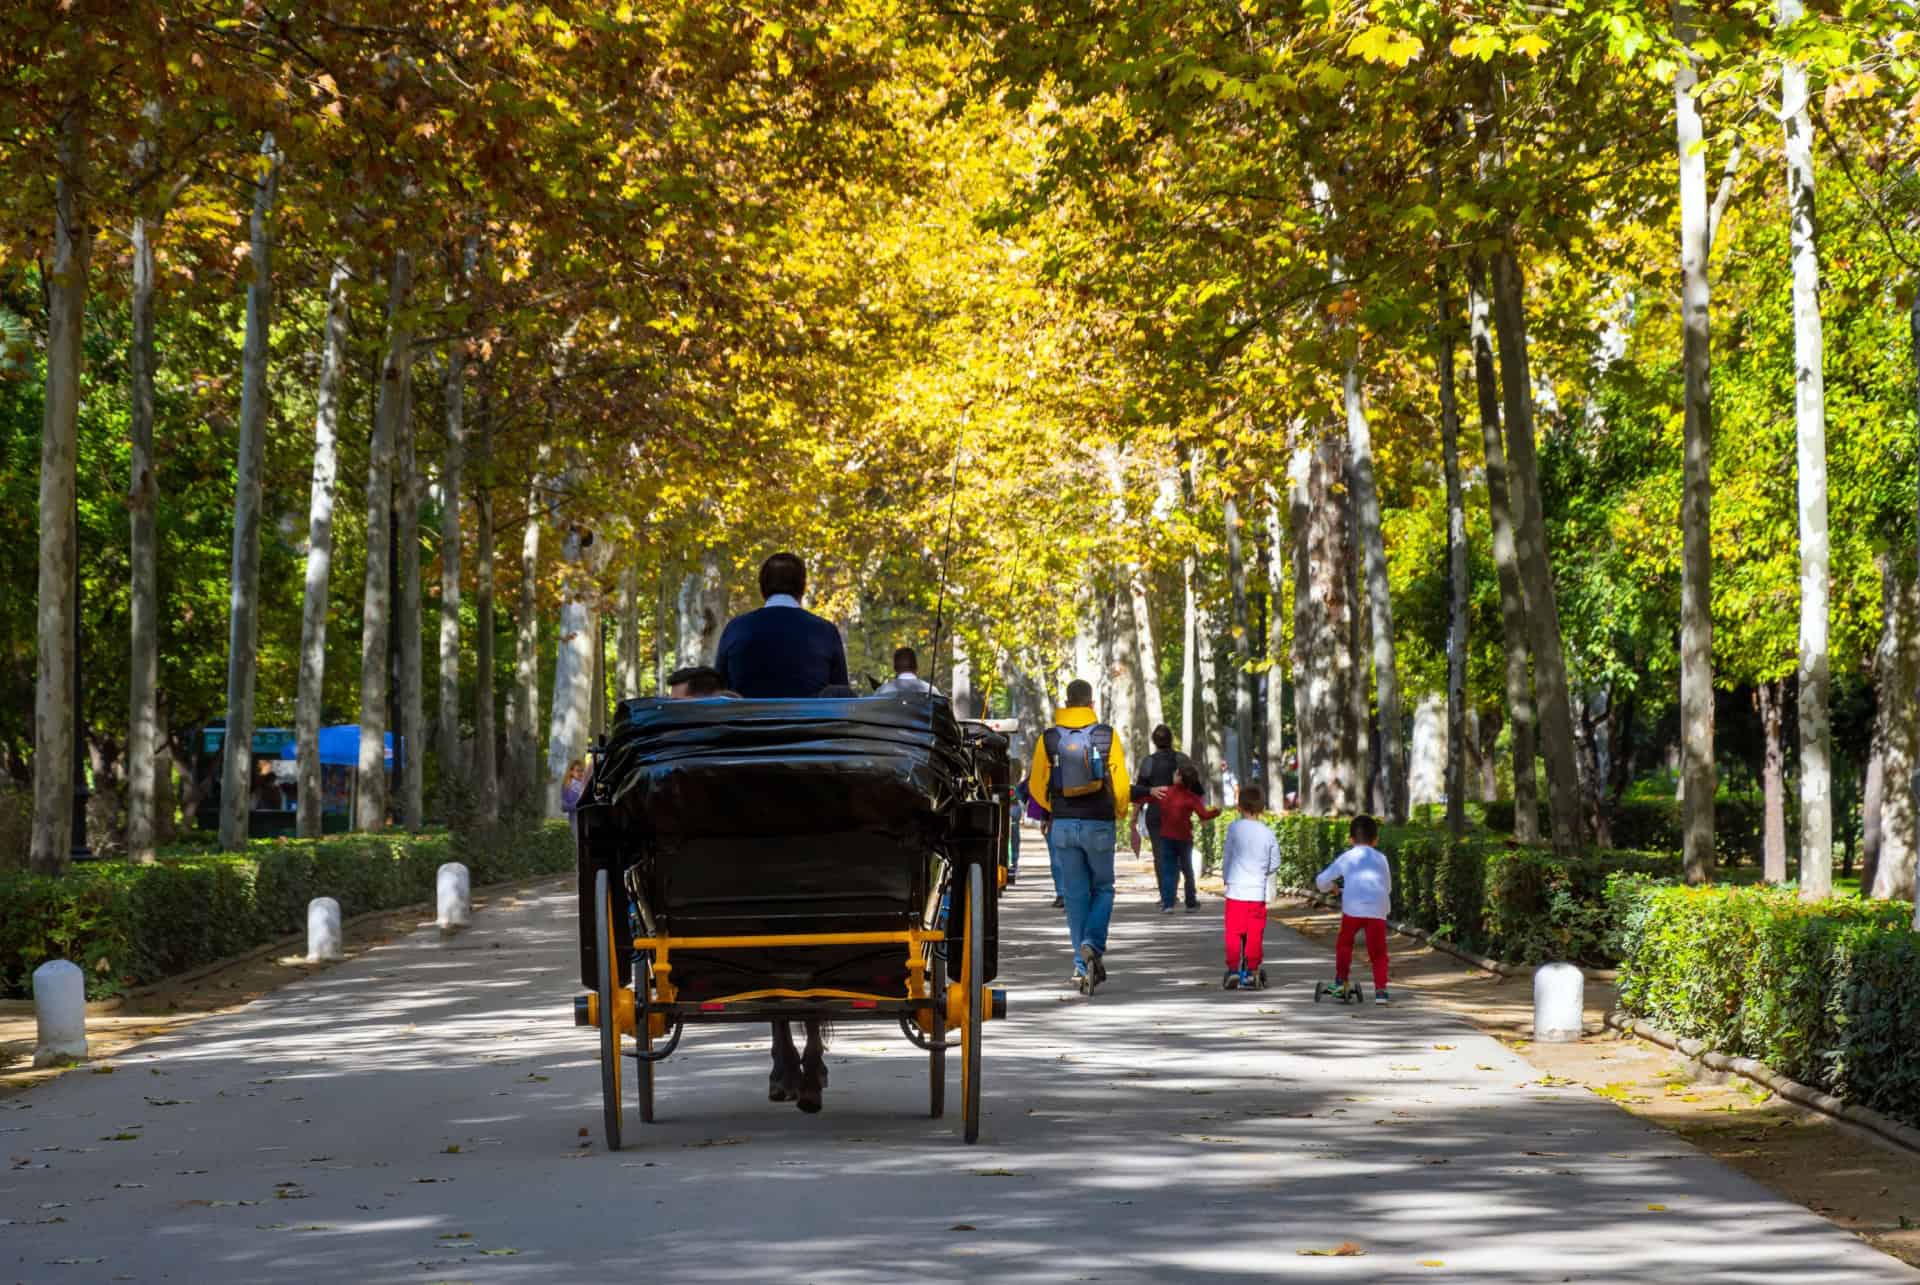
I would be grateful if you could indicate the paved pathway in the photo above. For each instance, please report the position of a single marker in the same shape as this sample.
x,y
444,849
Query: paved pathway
x,y
1165,1130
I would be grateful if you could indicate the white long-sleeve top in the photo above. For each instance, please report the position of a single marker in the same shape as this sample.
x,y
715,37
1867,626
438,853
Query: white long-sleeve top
x,y
1250,857
1367,892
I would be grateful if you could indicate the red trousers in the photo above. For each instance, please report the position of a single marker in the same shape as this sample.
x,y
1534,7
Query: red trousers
x,y
1376,930
1248,918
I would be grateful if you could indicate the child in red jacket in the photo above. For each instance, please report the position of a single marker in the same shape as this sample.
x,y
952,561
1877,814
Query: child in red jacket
x,y
1178,803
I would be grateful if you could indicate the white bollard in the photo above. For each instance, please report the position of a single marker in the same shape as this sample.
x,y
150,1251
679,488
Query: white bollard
x,y
323,930
456,897
60,1004
1559,1003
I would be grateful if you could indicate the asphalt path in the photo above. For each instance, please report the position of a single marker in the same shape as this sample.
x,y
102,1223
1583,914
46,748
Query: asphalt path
x,y
427,1112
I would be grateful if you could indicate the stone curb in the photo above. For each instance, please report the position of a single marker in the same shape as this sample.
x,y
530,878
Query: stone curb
x,y
1882,1126
24,1007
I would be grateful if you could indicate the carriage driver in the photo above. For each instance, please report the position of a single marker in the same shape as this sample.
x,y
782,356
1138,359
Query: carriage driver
x,y
784,650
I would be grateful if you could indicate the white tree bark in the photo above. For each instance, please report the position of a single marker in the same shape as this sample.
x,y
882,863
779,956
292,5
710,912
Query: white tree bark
x,y
143,660
1454,783
1697,774
1530,543
1386,672
1242,638
370,785
1339,766
1506,561
572,679
1896,732
313,609
485,770
703,609
1770,701
243,610
408,620
452,464
1913,330
1306,733
523,732
627,624
1274,752
1810,437
962,688
54,696
1427,759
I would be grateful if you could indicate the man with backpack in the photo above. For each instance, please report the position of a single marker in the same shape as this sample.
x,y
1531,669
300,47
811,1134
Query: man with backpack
x,y
1075,765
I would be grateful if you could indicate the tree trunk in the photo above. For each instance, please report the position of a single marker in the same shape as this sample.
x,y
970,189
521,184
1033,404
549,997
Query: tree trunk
x,y
310,700
961,688
626,677
1386,672
1366,746
1506,561
1770,701
54,695
1455,784
523,732
1307,746
243,612
1338,789
1530,546
1697,775
703,609
143,658
1896,734
485,773
1274,749
572,679
370,785
1810,420
452,463
1427,752
1199,699
1242,637
408,620
597,689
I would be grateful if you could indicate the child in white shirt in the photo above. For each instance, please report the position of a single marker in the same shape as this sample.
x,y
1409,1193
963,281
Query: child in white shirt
x,y
1250,857
1366,895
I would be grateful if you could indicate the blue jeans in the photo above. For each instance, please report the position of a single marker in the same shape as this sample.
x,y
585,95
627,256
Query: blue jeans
x,y
1013,861
1171,858
1083,866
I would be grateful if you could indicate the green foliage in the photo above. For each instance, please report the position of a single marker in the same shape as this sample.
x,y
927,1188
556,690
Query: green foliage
x,y
1822,993
129,925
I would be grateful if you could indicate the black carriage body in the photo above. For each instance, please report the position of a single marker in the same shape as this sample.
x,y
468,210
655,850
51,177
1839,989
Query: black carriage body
x,y
776,817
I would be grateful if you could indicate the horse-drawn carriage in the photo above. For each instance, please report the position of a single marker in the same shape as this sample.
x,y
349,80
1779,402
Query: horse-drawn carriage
x,y
788,860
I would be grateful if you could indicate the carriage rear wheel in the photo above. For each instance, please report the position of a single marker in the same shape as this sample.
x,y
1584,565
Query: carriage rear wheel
x,y
973,977
937,1054
607,973
643,1036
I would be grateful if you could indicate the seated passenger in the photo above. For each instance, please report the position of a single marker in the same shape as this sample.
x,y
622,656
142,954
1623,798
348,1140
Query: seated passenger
x,y
906,675
781,650
694,681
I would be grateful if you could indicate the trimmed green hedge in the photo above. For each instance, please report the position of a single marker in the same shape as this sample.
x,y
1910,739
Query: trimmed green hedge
x,y
1655,825
1525,905
1822,993
131,925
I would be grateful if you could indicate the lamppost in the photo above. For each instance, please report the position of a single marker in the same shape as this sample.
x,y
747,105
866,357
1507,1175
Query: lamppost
x,y
80,793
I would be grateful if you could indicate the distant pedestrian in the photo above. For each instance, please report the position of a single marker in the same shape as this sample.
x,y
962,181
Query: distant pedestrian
x,y
1366,896
1177,805
1075,767
1250,858
572,786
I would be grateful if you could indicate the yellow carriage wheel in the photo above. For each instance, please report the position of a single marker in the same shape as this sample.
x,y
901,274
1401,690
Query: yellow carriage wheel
x,y
973,969
608,975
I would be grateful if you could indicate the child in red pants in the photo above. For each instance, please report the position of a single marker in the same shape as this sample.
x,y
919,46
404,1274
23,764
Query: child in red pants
x,y
1251,855
1366,894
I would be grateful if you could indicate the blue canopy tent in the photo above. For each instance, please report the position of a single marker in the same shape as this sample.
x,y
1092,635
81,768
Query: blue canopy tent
x,y
339,746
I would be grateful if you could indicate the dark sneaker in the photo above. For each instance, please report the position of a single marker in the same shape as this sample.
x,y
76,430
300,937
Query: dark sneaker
x,y
1059,904
1263,979
1381,997
1166,910
1096,970
1193,905
1229,980
812,1083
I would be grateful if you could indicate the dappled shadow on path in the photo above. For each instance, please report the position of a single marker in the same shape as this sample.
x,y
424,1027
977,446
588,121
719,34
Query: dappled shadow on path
x,y
1164,1129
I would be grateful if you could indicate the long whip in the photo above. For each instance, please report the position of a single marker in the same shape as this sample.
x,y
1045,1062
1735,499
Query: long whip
x,y
946,556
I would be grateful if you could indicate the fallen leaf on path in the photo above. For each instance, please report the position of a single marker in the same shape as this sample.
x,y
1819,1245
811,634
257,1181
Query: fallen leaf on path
x,y
454,1235
997,1173
452,1149
1656,1209
73,1262
963,1227
500,1253
715,1142
1432,1262
1345,1249
1444,1048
